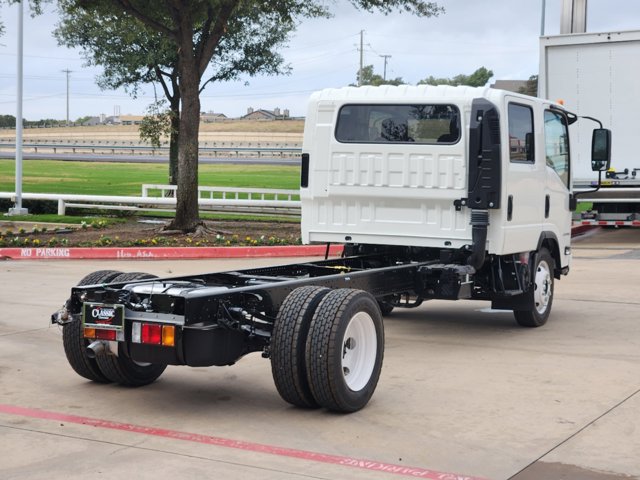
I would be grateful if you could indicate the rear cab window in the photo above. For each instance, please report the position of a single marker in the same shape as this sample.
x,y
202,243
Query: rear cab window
x,y
521,144
421,124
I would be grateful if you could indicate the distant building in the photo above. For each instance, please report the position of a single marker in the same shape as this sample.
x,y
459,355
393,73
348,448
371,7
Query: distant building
x,y
210,116
113,120
130,119
510,85
262,114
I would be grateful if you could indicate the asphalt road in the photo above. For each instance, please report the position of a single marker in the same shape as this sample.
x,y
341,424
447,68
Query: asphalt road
x,y
122,158
463,391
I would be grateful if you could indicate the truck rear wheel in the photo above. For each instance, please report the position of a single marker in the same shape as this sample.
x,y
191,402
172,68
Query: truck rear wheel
x,y
73,341
344,350
288,341
543,282
120,368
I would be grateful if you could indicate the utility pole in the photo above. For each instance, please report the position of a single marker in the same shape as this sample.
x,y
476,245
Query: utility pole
x,y
386,57
68,72
361,57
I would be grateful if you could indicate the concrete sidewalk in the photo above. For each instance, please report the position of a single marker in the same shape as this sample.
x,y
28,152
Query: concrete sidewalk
x,y
464,392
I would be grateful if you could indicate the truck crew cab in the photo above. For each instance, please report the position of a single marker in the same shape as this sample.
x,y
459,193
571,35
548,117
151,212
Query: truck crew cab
x,y
435,192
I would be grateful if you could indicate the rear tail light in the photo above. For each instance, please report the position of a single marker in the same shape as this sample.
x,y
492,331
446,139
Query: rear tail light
x,y
106,335
103,334
153,334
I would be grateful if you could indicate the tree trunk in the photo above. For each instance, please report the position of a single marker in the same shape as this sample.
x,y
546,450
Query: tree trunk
x,y
173,140
187,215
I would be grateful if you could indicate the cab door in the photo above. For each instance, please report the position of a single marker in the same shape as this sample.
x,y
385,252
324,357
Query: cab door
x,y
526,177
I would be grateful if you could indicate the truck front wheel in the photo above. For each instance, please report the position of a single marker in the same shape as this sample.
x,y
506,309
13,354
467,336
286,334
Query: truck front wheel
x,y
345,349
73,341
121,369
542,292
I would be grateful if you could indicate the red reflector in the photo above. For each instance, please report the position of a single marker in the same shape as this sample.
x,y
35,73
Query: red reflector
x,y
151,333
106,334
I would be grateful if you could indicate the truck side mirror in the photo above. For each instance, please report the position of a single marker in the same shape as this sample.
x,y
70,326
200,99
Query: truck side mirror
x,y
601,150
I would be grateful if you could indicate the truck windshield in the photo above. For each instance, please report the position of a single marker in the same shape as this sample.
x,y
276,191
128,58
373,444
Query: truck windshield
x,y
556,139
423,124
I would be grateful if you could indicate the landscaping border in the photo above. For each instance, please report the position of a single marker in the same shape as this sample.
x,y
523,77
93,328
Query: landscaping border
x,y
164,253
185,253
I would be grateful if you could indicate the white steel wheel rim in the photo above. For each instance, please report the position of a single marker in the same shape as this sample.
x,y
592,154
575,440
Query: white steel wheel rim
x,y
542,295
359,351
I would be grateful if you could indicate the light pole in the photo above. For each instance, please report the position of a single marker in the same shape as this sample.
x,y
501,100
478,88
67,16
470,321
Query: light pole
x,y
17,209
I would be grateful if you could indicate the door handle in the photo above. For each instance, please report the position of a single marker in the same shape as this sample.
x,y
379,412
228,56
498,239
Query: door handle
x,y
547,206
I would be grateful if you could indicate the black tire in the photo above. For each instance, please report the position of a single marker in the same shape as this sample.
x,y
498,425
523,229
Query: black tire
x,y
73,340
345,349
288,343
543,284
120,368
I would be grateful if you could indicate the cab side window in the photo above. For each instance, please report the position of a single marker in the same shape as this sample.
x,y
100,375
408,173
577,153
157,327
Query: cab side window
x,y
556,144
521,133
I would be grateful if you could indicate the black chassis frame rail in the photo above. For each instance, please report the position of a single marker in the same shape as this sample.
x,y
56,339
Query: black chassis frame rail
x,y
223,316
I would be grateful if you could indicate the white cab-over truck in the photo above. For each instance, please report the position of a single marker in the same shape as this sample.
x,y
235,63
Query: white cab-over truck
x,y
435,192
596,74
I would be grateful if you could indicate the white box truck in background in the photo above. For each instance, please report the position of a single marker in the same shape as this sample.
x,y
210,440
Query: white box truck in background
x,y
597,75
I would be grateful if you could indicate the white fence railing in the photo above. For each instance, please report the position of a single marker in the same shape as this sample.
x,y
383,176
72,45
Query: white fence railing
x,y
225,193
238,151
271,202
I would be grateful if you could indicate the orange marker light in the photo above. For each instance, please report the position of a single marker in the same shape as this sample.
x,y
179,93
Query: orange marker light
x,y
168,335
560,102
89,333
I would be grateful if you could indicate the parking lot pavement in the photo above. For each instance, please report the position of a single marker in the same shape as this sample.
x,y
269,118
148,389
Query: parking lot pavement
x,y
463,391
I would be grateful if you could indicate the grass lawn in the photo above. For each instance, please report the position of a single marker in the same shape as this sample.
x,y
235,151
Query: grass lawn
x,y
97,178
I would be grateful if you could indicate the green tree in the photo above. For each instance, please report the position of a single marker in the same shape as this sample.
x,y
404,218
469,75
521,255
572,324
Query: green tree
x,y
131,55
156,123
7,121
479,78
531,87
233,36
371,78
81,120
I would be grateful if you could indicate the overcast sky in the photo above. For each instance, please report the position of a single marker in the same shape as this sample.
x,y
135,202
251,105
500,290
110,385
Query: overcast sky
x,y
501,35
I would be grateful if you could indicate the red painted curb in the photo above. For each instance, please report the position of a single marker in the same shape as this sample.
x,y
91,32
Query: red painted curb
x,y
161,253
